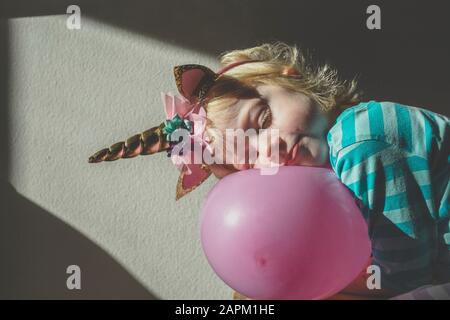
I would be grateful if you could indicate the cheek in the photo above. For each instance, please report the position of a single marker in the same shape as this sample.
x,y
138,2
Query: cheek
x,y
314,151
292,120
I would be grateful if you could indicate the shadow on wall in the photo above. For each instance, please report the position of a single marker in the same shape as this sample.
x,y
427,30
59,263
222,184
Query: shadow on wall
x,y
406,61
36,249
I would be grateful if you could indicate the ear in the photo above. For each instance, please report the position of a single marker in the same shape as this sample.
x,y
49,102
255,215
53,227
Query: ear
x,y
193,81
188,182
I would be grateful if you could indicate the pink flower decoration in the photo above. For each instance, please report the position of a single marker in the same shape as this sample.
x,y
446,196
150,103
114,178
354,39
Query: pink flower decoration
x,y
173,105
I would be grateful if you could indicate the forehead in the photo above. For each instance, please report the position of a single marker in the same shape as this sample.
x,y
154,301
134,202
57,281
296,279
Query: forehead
x,y
274,94
267,89
264,91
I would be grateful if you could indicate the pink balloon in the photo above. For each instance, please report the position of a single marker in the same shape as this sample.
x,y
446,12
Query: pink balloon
x,y
297,234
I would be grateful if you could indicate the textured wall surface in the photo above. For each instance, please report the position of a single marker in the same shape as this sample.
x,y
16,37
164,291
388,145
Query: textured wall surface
x,y
71,94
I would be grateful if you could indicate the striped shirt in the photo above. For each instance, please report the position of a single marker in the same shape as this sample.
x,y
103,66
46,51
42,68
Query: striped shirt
x,y
395,160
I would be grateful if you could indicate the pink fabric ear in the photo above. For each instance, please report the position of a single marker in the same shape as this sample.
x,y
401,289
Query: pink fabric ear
x,y
190,79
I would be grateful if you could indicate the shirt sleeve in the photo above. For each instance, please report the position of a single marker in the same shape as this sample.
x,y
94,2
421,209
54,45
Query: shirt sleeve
x,y
388,181
395,161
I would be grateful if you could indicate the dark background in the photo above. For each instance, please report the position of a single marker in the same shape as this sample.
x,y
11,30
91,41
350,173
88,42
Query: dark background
x,y
407,61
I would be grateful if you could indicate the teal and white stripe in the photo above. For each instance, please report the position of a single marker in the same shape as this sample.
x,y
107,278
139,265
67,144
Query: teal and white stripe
x,y
395,160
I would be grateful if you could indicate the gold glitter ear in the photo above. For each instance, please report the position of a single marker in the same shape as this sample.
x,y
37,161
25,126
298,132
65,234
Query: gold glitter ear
x,y
188,182
193,81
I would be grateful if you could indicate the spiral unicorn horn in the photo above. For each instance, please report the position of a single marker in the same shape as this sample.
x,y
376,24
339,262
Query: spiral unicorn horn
x,y
150,141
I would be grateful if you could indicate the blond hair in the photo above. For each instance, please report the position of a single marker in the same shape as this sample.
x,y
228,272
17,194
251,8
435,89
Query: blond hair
x,y
319,83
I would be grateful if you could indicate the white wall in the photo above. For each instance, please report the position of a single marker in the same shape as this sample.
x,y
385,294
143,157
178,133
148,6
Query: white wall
x,y
74,92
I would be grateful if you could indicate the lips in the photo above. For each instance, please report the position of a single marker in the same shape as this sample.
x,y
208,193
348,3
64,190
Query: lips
x,y
294,156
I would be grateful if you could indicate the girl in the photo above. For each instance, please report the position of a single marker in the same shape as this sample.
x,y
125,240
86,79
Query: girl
x,y
393,158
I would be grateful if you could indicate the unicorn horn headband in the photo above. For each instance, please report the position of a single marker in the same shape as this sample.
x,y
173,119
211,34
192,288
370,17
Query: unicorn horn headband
x,y
182,112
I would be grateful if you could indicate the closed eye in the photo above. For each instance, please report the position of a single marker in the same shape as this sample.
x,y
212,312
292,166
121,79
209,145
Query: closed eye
x,y
265,118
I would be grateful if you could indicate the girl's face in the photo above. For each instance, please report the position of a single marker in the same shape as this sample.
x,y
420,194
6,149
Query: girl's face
x,y
302,126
